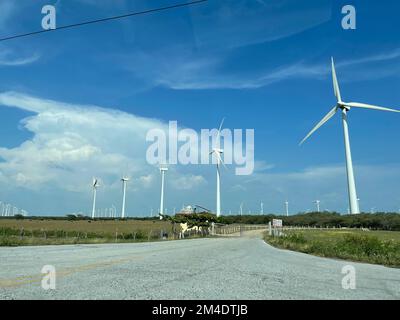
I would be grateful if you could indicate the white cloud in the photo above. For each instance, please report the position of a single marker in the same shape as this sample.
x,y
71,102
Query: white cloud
x,y
72,143
188,182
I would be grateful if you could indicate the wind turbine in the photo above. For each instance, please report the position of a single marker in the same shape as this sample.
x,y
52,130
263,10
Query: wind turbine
x,y
262,208
217,151
163,170
344,108
95,185
287,208
124,182
318,202
114,211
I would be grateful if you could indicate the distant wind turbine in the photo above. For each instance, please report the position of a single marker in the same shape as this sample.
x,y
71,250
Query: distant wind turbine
x,y
124,182
262,208
217,151
287,208
345,107
318,202
163,170
95,185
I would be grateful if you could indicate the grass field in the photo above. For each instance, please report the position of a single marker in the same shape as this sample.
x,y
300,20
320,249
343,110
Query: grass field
x,y
376,247
15,232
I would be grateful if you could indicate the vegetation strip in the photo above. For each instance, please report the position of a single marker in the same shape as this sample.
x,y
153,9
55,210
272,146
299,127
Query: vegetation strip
x,y
375,247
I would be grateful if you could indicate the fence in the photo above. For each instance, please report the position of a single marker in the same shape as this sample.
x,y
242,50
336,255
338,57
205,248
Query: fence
x,y
235,229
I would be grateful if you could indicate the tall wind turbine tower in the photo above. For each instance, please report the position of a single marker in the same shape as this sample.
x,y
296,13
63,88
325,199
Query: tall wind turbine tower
x,y
124,182
344,108
287,208
95,185
318,203
262,208
217,152
163,170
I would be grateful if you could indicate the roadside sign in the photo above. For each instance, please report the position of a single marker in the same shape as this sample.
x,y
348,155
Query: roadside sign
x,y
277,223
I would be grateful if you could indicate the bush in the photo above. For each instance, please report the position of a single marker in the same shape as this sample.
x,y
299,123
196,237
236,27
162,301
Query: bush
x,y
296,238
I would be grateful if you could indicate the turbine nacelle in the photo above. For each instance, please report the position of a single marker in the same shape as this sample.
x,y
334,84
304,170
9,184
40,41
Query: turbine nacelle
x,y
216,150
343,106
95,183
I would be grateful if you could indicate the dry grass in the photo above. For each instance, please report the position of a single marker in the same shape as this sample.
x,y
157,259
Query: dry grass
x,y
97,226
15,232
377,247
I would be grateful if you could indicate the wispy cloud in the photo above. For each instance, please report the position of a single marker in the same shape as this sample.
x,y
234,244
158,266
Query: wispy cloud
x,y
379,57
8,59
199,73
233,24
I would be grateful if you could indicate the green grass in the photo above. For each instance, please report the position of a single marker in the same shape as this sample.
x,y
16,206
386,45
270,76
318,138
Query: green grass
x,y
376,247
27,232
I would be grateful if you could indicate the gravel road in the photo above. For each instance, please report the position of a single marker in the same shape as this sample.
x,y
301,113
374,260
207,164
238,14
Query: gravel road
x,y
236,268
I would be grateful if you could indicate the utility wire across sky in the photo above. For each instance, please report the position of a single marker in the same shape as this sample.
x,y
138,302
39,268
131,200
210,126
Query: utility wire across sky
x,y
180,5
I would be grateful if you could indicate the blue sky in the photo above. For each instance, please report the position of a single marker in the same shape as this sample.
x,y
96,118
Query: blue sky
x,y
77,103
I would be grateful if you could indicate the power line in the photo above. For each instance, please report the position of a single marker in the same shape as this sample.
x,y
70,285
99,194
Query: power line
x,y
105,19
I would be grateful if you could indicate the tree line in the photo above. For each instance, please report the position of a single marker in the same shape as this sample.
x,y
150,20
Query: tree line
x,y
377,221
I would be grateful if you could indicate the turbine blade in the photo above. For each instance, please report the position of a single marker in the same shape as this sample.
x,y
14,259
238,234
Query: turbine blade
x,y
222,123
220,128
321,123
335,82
369,106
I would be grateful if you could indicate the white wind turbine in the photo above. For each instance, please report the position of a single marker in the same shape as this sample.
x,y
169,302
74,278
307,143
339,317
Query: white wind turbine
x,y
345,107
124,182
318,203
217,151
163,170
95,185
287,208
